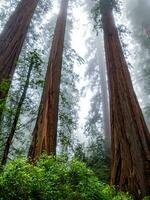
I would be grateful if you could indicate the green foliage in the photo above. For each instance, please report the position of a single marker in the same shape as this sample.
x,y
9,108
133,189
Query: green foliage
x,y
100,8
53,178
22,93
68,98
79,153
147,198
104,5
4,86
95,158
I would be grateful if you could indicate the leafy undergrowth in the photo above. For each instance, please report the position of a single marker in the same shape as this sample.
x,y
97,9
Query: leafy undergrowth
x,y
53,179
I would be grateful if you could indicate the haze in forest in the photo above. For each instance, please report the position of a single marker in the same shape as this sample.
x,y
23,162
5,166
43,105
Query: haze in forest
x,y
75,99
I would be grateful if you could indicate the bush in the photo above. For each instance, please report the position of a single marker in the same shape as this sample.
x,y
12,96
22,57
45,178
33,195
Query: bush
x,y
53,178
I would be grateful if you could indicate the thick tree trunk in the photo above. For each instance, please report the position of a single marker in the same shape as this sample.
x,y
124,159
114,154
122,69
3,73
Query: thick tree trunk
x,y
17,115
11,41
130,136
45,131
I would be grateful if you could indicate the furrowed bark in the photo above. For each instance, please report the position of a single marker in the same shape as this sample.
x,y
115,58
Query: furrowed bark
x,y
130,136
45,131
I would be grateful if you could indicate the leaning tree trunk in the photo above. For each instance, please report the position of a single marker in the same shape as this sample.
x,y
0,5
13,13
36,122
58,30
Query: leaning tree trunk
x,y
45,131
130,136
11,41
17,115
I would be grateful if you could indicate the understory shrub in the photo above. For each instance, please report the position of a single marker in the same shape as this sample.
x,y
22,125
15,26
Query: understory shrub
x,y
53,178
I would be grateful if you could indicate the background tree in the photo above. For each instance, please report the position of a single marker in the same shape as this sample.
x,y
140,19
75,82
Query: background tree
x,y
95,149
139,26
68,102
33,59
97,120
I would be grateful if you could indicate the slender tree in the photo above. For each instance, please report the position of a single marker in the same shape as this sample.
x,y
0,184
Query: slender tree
x,y
130,136
98,50
34,61
11,41
104,94
45,131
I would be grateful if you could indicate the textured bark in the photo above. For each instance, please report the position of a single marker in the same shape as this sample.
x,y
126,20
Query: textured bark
x,y
17,115
45,131
130,136
11,41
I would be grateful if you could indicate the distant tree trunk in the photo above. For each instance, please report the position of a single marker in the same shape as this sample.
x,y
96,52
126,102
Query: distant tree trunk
x,y
15,120
45,131
130,136
11,41
104,94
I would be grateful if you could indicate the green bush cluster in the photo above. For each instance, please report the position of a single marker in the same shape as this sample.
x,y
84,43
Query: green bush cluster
x,y
53,178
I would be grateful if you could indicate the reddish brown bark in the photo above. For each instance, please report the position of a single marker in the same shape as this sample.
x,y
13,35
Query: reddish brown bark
x,y
45,131
11,41
130,136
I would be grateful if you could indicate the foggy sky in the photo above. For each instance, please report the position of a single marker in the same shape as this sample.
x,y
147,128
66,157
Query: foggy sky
x,y
139,11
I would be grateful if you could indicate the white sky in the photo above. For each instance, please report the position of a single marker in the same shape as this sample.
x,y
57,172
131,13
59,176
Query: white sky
x,y
79,37
1,2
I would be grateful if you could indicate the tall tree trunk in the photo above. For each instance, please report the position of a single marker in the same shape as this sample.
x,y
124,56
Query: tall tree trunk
x,y
15,120
104,93
130,136
45,131
11,41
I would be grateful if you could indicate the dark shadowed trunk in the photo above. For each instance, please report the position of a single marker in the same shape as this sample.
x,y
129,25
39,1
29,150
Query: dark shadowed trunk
x,y
17,115
11,41
45,131
130,136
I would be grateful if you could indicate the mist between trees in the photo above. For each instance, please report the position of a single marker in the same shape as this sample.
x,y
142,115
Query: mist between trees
x,y
74,93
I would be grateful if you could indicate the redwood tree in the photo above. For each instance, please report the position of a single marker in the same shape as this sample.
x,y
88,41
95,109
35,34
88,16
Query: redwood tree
x,y
45,131
11,41
130,136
